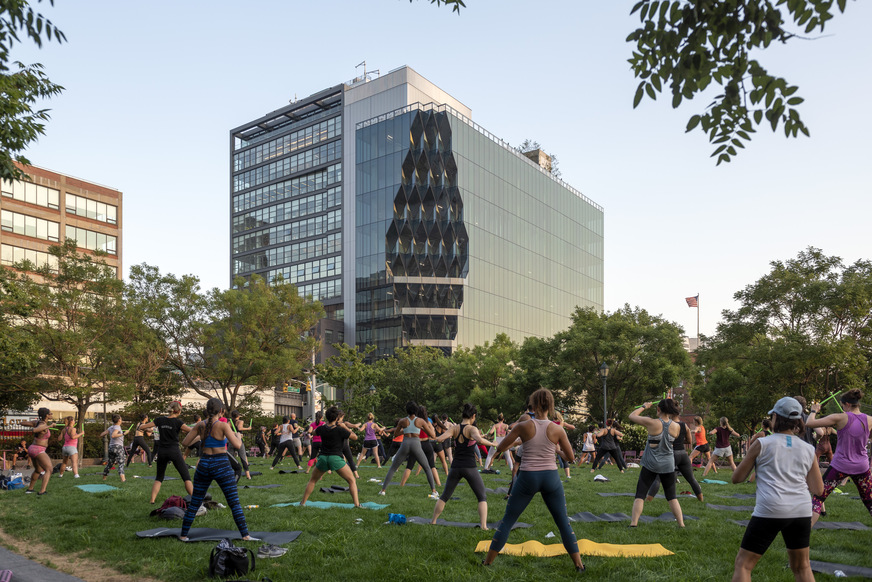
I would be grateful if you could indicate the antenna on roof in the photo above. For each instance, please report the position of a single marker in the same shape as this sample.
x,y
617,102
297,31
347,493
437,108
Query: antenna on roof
x,y
366,74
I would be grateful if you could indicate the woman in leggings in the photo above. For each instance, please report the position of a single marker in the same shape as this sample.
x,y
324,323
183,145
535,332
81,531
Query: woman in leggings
x,y
786,471
429,453
346,446
214,465
139,440
117,452
316,441
411,427
166,444
538,474
237,423
658,458
36,451
608,445
850,458
682,462
463,466
371,432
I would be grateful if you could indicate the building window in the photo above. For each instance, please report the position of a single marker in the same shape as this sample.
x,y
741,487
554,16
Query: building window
x,y
92,209
30,193
9,255
29,226
93,241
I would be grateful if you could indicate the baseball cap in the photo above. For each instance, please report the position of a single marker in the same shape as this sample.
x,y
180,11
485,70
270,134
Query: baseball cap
x,y
788,407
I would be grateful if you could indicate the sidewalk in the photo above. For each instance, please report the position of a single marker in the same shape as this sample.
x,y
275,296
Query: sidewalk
x,y
24,570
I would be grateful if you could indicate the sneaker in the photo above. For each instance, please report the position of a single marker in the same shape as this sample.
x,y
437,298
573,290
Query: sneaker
x,y
270,551
28,491
76,475
69,468
380,492
433,496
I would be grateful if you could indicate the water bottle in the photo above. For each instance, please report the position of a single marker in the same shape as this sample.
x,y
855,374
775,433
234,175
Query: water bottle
x,y
252,506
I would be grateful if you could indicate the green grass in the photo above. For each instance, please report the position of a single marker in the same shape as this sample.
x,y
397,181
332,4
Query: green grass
x,y
102,526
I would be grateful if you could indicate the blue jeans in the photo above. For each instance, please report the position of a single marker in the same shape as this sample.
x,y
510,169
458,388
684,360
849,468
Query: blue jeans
x,y
526,485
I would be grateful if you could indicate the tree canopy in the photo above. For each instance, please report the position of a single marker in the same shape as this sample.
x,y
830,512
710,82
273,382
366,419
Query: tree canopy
x,y
21,86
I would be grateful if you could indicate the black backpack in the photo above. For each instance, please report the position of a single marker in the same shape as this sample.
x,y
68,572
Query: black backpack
x,y
227,560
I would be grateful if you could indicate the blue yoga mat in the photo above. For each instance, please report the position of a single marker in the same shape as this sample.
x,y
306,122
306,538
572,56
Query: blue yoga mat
x,y
97,488
329,504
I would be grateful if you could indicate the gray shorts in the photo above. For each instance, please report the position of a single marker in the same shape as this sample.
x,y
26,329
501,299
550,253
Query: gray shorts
x,y
297,442
723,452
70,451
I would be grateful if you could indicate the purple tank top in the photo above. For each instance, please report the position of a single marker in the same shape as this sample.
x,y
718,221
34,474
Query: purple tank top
x,y
369,433
850,456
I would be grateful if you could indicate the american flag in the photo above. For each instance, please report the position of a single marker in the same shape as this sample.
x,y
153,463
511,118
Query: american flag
x,y
692,301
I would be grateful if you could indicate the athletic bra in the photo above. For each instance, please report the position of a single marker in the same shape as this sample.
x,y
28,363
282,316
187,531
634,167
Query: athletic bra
x,y
412,430
211,442
500,429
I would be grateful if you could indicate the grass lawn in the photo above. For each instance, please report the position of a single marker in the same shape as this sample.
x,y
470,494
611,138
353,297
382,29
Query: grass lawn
x,y
334,546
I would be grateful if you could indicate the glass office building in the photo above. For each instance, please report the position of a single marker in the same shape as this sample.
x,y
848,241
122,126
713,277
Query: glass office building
x,y
413,225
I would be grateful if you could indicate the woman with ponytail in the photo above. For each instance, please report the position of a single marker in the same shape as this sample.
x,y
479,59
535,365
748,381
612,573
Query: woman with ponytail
x,y
466,436
70,437
722,444
850,458
538,474
215,466
139,440
36,451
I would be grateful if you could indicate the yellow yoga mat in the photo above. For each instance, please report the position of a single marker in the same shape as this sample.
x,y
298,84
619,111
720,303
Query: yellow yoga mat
x,y
585,547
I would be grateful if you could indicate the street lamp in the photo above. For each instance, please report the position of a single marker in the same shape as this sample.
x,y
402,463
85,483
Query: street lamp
x,y
604,374
372,396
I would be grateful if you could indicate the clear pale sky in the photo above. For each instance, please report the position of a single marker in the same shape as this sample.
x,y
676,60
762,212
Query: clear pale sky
x,y
153,88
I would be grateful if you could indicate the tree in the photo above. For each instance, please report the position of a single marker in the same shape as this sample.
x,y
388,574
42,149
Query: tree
x,y
684,45
349,371
228,344
22,85
19,354
412,373
802,329
529,145
645,355
72,312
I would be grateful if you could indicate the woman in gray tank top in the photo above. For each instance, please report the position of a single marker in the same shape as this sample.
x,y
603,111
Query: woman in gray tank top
x,y
658,459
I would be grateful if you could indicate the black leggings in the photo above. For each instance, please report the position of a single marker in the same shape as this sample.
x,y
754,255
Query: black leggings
x,y
395,447
472,477
171,455
349,458
139,443
646,478
682,465
427,447
600,459
288,445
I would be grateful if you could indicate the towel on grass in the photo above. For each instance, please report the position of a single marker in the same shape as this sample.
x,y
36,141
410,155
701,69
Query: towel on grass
x,y
97,488
714,482
440,521
730,507
585,547
330,504
207,534
830,568
259,486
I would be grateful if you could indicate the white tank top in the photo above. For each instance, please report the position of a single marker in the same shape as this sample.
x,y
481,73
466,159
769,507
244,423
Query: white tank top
x,y
782,467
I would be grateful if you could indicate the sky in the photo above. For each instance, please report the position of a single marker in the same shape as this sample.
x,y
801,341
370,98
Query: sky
x,y
153,89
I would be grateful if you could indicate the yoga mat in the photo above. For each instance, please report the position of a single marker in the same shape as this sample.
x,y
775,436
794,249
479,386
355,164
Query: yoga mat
x,y
207,534
332,490
730,507
151,477
714,482
739,496
440,521
97,488
330,504
290,472
586,547
587,517
851,525
259,486
830,568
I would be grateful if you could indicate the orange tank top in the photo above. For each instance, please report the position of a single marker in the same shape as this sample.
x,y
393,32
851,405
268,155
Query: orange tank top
x,y
700,437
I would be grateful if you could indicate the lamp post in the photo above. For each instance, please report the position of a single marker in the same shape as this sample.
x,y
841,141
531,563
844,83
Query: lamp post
x,y
372,396
604,374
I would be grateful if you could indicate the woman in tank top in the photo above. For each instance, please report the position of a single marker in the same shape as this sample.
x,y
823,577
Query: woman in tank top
x,y
411,427
658,458
850,459
538,474
36,451
371,432
463,466
786,472
498,432
70,437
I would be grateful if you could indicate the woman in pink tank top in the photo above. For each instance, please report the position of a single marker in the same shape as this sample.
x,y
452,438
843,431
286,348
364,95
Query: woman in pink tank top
x,y
538,474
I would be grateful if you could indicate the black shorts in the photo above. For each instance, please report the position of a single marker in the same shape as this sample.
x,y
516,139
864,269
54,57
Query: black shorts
x,y
761,531
702,448
370,444
437,447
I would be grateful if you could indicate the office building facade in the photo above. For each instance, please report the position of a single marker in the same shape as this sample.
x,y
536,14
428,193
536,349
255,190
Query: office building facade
x,y
409,222
48,207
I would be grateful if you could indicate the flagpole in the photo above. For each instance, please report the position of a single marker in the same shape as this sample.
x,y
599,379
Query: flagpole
x,y
697,320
